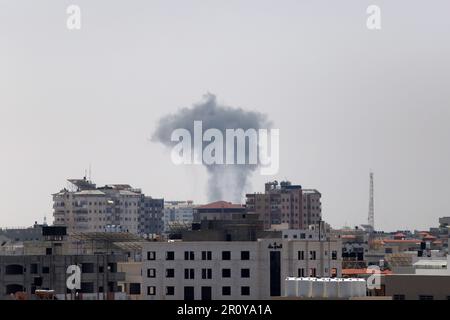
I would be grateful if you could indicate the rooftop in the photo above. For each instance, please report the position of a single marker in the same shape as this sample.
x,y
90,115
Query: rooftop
x,y
221,205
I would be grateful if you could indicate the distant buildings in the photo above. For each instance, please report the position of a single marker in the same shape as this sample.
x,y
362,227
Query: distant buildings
x,y
112,208
151,216
222,221
178,214
285,203
219,210
430,281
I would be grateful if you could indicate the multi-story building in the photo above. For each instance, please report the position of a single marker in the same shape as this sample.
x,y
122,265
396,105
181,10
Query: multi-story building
x,y
178,214
312,206
121,208
44,267
286,204
29,273
233,269
151,216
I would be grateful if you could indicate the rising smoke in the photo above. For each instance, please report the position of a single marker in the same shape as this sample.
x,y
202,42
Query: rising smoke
x,y
225,182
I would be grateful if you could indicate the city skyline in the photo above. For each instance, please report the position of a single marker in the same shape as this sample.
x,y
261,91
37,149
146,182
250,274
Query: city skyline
x,y
347,100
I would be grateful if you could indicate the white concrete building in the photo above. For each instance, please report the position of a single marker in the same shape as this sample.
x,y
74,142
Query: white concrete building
x,y
233,269
83,207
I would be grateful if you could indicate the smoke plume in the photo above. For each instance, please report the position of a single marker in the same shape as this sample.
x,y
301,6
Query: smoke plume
x,y
225,182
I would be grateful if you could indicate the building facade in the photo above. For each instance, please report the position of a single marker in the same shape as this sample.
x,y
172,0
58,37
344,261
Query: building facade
x,y
28,273
287,204
112,208
233,269
151,216
178,214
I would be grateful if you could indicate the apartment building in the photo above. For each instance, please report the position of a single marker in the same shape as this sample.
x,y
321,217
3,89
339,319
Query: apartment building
x,y
28,273
312,206
83,207
204,270
151,216
286,204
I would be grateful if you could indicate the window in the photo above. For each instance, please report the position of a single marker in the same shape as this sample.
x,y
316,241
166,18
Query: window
x,y
151,273
87,287
226,273
170,273
151,291
226,255
170,255
189,273
135,288
245,291
189,255
170,291
45,270
398,297
426,297
245,255
206,273
301,272
245,273
301,255
206,255
33,268
312,255
226,291
312,272
334,255
87,268
333,272
151,255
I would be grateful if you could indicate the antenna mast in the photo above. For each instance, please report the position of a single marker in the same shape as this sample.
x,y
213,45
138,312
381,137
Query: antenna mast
x,y
371,218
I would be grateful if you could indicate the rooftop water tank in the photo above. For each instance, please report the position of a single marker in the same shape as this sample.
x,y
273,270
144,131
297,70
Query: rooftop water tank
x,y
290,287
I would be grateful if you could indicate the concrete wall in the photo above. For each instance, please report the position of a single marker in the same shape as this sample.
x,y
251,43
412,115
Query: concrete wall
x,y
413,286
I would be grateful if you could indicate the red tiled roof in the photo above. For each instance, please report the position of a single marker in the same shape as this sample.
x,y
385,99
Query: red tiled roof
x,y
221,205
399,235
349,272
401,241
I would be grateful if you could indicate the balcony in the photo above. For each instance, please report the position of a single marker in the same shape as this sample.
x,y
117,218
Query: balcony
x,y
81,210
59,205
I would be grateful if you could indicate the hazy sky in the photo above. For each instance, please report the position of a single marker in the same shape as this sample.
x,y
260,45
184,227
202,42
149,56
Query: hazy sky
x,y
347,100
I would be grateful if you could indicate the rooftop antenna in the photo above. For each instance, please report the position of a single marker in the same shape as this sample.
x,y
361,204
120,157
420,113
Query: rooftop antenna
x,y
90,172
371,217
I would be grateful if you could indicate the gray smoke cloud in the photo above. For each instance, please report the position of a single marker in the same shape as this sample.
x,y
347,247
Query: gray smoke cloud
x,y
225,182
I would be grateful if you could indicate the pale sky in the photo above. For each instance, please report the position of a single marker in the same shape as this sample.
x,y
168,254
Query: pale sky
x,y
346,99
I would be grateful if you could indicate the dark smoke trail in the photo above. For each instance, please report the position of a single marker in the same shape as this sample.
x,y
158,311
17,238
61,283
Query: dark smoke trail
x,y
226,182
